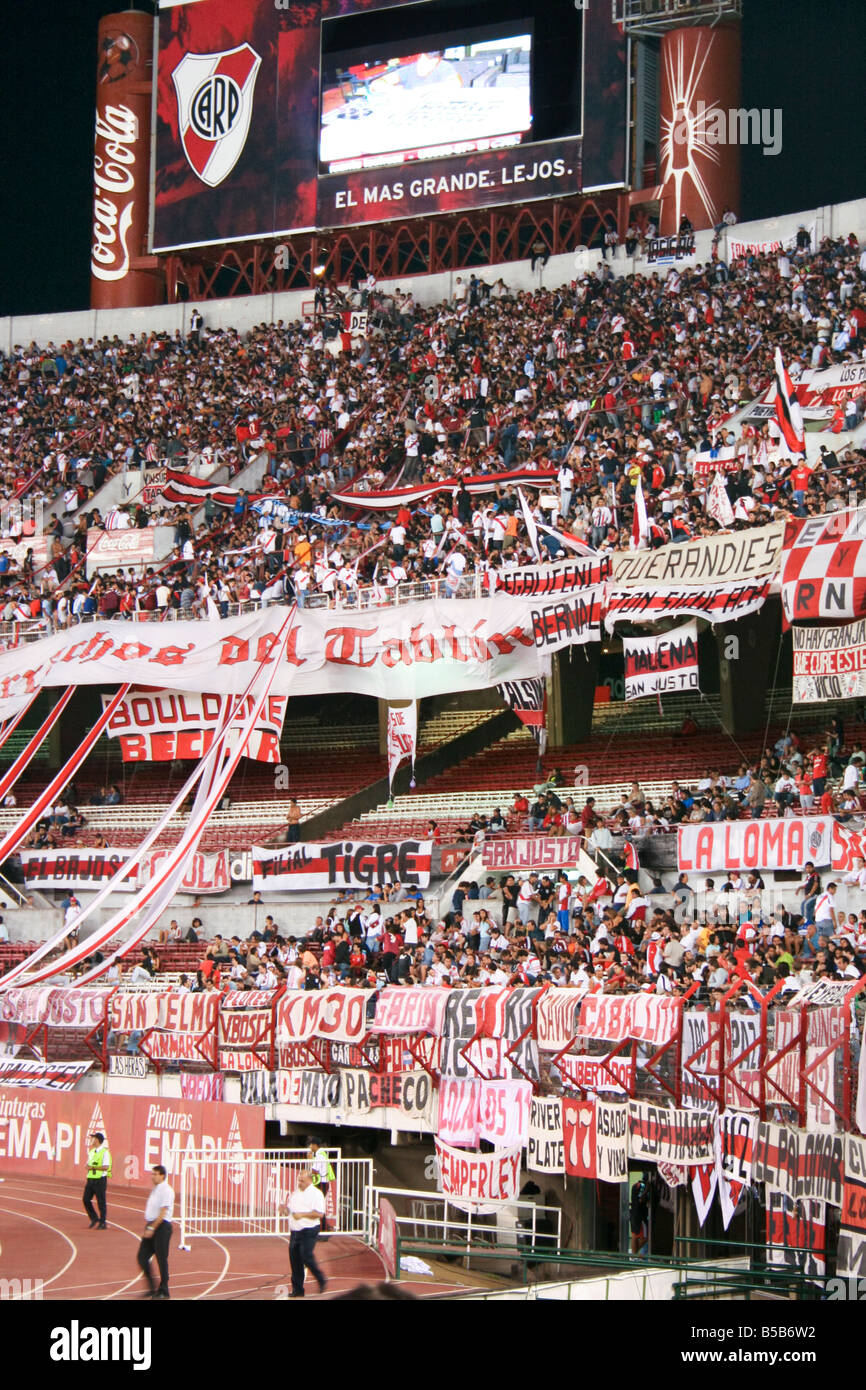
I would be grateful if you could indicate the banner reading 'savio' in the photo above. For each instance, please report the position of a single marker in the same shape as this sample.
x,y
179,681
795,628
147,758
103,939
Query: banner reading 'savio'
x,y
343,864
161,725
661,665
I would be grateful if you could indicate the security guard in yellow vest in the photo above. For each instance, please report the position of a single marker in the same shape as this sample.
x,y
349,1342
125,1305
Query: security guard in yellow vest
x,y
98,1173
322,1174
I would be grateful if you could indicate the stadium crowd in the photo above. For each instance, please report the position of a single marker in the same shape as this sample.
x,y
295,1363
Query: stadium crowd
x,y
544,929
606,381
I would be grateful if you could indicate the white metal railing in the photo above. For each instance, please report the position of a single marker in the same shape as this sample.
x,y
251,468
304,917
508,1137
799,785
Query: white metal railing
x,y
434,1218
246,1193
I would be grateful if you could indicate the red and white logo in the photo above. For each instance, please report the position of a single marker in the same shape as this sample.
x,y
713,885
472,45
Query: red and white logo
x,y
214,106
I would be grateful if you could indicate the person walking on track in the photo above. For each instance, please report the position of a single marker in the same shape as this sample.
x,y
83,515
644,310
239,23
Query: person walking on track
x,y
157,1233
306,1210
98,1173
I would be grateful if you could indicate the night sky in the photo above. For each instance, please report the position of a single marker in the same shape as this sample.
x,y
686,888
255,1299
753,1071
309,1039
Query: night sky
x,y
803,57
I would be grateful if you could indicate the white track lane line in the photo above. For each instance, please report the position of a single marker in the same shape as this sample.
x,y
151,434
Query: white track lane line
x,y
25,1216
129,1207
115,1225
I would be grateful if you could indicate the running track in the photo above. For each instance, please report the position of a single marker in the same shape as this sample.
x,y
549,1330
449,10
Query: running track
x,y
45,1234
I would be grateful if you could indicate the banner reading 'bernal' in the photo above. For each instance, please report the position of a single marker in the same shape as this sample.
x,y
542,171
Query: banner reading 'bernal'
x,y
343,864
661,665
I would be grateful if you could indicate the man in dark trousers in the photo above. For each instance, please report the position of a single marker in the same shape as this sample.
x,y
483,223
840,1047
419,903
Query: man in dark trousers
x,y
306,1213
98,1173
157,1232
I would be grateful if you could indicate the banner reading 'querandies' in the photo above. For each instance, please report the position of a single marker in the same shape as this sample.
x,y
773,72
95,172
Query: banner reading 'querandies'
x,y
721,578
661,665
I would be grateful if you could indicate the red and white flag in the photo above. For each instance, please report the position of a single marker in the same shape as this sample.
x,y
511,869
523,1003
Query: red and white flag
x,y
640,521
788,409
718,504
530,524
402,737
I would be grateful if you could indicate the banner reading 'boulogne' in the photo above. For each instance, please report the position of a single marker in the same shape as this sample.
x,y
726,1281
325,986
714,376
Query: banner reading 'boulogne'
x,y
161,725
343,864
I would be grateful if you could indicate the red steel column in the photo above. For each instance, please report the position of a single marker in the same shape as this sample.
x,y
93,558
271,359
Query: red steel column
x,y
120,274
699,172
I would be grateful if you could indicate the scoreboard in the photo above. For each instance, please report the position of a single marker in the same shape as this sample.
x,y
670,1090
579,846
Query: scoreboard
x,y
274,117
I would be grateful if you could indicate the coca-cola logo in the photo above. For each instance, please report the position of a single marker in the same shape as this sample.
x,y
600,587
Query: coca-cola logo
x,y
113,175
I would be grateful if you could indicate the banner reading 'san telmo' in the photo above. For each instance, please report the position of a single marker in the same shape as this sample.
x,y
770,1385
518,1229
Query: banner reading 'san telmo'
x,y
276,118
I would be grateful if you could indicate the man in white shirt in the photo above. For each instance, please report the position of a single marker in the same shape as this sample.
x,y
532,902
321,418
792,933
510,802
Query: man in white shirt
x,y
851,778
825,911
157,1232
306,1213
857,875
526,897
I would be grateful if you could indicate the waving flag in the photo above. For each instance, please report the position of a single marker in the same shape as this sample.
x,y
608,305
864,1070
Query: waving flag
x,y
640,521
718,504
788,410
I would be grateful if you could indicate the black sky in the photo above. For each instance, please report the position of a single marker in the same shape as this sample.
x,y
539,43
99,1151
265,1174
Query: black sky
x,y
800,56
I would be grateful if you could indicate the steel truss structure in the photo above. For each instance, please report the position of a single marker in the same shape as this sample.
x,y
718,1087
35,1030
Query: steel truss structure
x,y
390,251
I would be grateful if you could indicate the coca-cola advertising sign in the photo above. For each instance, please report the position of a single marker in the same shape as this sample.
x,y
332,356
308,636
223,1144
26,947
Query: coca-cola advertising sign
x,y
114,180
121,152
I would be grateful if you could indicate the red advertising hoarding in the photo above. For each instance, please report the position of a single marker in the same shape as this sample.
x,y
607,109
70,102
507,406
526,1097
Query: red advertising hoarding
x,y
45,1133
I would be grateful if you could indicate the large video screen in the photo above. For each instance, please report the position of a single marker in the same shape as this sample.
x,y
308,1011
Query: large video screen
x,y
446,98
274,118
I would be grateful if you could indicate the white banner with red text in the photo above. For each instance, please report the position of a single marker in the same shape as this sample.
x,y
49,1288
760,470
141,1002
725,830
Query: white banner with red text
x,y
407,652
480,1183
755,844
161,725
829,663
86,870
721,578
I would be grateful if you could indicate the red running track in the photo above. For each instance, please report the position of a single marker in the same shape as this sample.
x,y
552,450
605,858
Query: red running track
x,y
45,1234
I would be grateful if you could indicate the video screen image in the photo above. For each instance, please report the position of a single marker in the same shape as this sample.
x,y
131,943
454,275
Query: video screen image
x,y
422,105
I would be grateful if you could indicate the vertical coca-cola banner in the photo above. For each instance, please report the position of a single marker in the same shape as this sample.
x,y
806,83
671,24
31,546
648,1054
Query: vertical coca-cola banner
x,y
121,161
